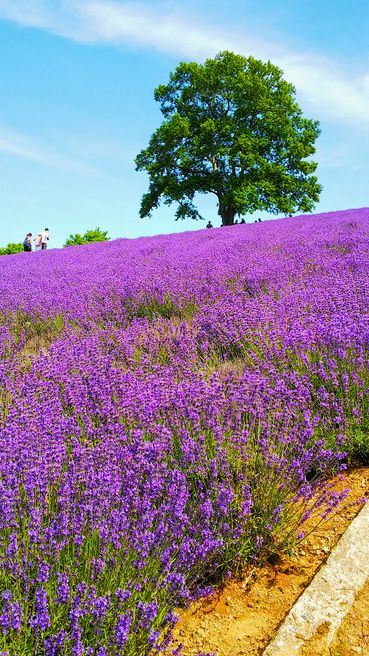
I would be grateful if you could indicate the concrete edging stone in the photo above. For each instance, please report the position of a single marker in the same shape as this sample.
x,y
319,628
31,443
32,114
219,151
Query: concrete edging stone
x,y
320,610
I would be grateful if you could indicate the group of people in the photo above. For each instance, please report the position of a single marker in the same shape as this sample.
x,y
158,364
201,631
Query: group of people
x,y
210,225
41,241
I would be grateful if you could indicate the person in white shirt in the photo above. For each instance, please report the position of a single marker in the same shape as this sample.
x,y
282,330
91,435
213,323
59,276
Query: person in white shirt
x,y
45,236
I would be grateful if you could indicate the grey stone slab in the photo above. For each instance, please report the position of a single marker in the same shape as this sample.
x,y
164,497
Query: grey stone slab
x,y
330,595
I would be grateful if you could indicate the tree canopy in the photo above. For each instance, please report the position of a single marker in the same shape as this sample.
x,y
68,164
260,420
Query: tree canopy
x,y
232,128
89,237
12,248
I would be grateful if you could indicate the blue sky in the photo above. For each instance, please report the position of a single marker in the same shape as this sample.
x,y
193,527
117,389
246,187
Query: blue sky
x,y
77,80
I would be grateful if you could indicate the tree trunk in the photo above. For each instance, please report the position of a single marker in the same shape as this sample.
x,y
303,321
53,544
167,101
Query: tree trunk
x,y
227,214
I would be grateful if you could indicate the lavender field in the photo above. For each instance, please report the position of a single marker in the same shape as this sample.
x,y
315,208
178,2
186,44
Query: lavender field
x,y
171,408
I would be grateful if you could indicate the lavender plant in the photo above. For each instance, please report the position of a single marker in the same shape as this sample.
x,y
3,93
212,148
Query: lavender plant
x,y
170,408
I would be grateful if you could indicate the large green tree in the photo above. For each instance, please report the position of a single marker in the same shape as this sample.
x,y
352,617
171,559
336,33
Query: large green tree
x,y
232,128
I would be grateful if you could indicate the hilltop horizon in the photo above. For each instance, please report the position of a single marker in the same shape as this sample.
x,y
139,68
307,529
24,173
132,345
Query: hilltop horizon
x,y
249,222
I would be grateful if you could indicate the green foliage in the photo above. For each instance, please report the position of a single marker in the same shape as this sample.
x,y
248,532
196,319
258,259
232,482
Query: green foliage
x,y
327,372
233,128
89,237
153,307
75,563
31,326
10,249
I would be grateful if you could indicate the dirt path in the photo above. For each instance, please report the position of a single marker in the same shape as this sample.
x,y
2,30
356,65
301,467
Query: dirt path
x,y
240,619
352,638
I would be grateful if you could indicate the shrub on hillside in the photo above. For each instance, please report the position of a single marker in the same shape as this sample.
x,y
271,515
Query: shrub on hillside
x,y
10,249
90,237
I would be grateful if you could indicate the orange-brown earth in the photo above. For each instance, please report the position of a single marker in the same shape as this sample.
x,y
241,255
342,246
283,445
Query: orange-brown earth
x,y
242,617
352,638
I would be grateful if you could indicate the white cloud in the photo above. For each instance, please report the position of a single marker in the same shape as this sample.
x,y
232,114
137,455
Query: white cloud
x,y
321,84
337,95
20,145
29,13
166,32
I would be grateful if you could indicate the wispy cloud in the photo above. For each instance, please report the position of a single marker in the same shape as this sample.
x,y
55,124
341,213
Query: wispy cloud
x,y
20,145
168,32
32,13
322,84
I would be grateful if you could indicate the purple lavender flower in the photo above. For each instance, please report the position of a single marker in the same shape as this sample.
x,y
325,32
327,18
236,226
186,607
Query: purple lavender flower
x,y
54,644
122,628
193,393
43,572
63,589
11,616
41,619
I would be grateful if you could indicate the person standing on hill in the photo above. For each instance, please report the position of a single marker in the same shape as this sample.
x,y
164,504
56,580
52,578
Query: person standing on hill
x,y
27,244
38,242
45,236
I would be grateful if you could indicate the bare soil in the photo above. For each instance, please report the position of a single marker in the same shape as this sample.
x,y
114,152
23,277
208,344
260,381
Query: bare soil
x,y
352,639
241,618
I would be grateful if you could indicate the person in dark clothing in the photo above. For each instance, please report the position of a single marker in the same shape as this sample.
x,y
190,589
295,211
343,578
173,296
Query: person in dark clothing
x,y
27,244
242,221
209,225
